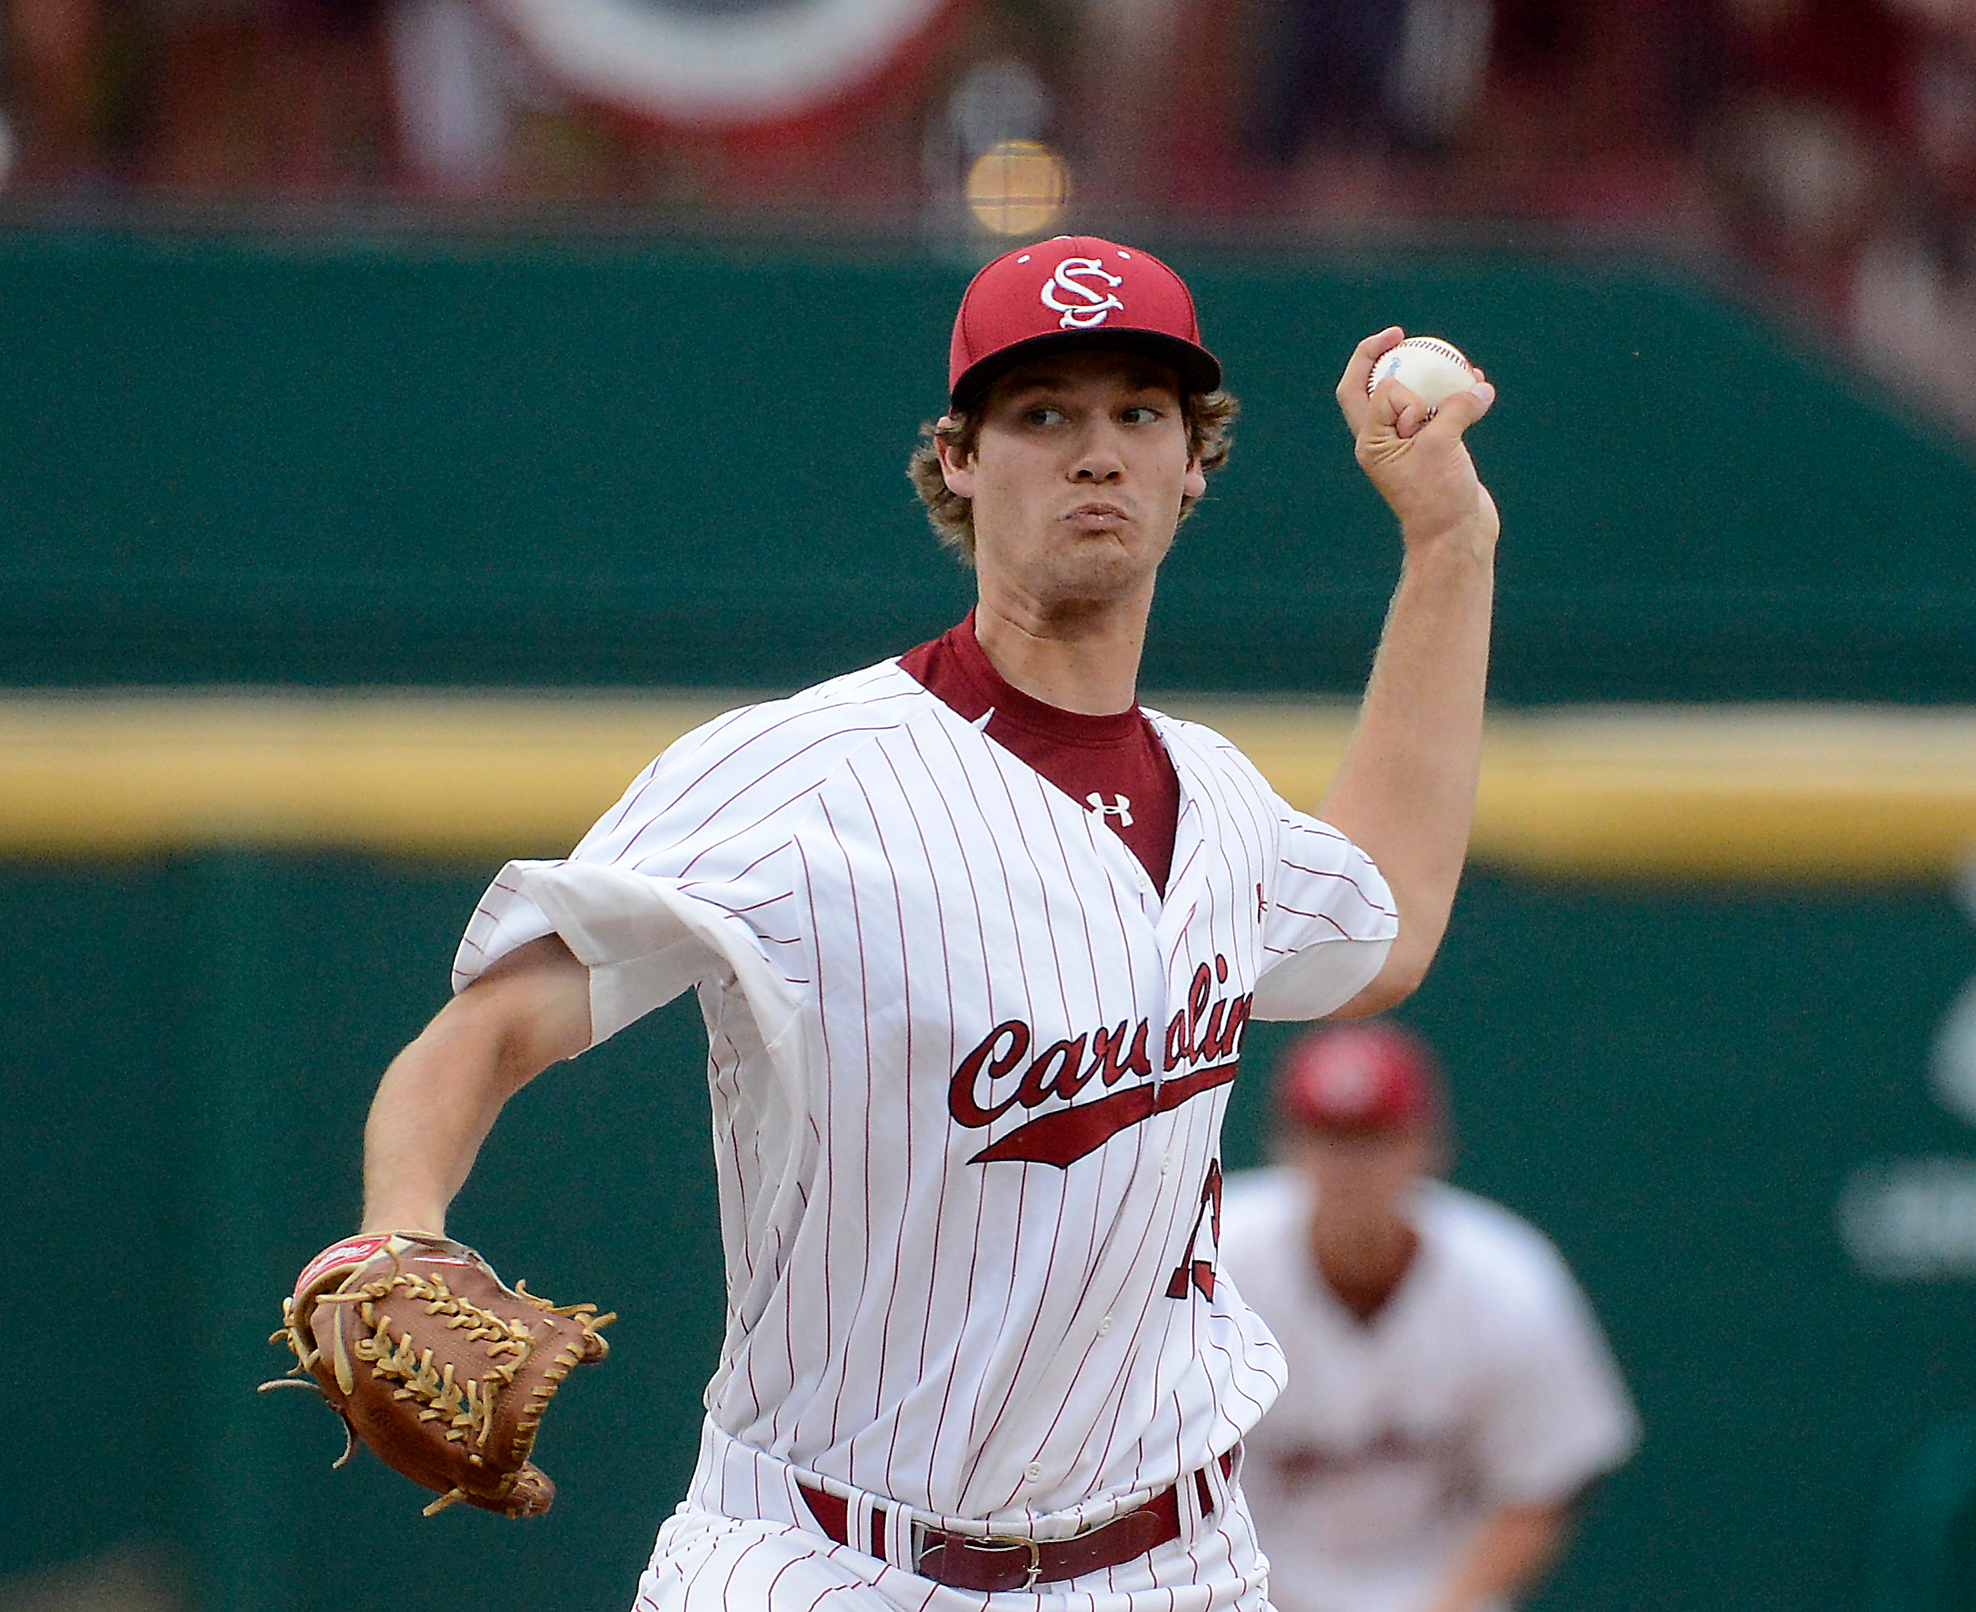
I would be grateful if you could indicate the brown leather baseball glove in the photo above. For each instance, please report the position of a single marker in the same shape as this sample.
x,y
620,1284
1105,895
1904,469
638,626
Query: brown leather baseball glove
x,y
435,1363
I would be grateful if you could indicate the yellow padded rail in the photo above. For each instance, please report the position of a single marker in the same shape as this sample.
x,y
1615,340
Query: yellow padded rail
x,y
1797,792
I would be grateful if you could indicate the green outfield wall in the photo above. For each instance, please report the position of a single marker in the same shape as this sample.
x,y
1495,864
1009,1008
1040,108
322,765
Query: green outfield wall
x,y
325,464
371,460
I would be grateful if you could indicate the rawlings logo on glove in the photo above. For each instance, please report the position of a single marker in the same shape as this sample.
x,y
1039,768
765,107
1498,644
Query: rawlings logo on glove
x,y
436,1364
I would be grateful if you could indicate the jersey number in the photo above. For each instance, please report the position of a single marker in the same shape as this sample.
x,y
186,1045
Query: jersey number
x,y
1199,1273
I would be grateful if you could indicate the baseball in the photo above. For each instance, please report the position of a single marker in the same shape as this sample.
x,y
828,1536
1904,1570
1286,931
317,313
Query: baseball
x,y
1427,367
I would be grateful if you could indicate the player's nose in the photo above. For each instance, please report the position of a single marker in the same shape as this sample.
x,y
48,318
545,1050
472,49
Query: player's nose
x,y
1097,457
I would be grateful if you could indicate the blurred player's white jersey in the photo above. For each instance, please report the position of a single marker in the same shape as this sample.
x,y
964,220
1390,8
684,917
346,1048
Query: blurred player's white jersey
x,y
968,1074
1484,1380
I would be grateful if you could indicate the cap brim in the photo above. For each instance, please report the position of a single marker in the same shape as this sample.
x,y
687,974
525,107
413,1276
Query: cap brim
x,y
1199,370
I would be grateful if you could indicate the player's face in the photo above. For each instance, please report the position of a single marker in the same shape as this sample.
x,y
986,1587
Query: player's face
x,y
1367,1178
1076,479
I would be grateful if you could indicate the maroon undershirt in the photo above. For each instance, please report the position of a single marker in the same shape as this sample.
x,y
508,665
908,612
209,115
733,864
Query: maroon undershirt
x,y
1117,758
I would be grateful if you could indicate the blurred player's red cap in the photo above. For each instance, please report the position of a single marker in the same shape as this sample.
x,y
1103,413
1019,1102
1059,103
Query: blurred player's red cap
x,y
1371,1075
1074,291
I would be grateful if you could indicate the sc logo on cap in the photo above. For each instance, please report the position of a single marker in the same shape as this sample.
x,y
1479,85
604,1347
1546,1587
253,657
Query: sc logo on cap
x,y
1089,306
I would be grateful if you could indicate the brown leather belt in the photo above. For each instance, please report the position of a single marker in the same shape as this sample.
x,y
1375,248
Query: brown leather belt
x,y
970,1562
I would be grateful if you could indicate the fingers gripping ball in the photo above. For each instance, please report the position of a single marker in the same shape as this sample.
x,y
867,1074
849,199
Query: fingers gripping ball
x,y
436,1364
1427,367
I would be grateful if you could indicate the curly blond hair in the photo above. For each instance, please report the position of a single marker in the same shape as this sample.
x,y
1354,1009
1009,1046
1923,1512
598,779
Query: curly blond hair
x,y
1210,418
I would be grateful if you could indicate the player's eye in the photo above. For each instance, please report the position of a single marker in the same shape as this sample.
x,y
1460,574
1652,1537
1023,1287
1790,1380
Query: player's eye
x,y
1139,414
1044,414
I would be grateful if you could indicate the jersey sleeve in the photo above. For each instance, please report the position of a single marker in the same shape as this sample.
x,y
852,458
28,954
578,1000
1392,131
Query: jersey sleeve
x,y
687,877
1329,924
1561,1415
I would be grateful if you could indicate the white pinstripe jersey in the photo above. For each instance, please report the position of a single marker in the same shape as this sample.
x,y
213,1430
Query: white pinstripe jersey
x,y
968,1073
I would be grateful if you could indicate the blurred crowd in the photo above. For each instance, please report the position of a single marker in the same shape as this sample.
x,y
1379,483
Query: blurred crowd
x,y
1828,144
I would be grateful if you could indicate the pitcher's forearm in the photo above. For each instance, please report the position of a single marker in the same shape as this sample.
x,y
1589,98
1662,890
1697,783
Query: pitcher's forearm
x,y
1405,790
440,1097
433,1109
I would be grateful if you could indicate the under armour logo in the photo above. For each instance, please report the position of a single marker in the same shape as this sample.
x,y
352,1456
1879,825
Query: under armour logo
x,y
1088,305
1122,810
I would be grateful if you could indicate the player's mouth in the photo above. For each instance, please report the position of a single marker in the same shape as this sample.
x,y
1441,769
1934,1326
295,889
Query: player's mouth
x,y
1097,517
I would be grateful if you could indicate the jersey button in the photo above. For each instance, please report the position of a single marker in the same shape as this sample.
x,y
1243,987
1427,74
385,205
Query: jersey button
x,y
1104,1326
1033,1471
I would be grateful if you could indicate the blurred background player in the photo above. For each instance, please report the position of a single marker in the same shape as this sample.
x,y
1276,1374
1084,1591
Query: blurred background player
x,y
1450,1394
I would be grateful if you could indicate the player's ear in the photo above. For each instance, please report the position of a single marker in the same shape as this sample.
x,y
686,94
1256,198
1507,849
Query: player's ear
x,y
955,469
1196,482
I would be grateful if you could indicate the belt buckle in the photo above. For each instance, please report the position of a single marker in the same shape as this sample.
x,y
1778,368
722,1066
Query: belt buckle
x,y
1034,1569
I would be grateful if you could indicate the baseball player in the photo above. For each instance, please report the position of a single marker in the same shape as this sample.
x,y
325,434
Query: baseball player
x,y
1450,1394
977,939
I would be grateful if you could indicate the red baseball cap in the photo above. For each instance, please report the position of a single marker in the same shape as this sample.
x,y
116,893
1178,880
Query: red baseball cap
x,y
1367,1076
1074,291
